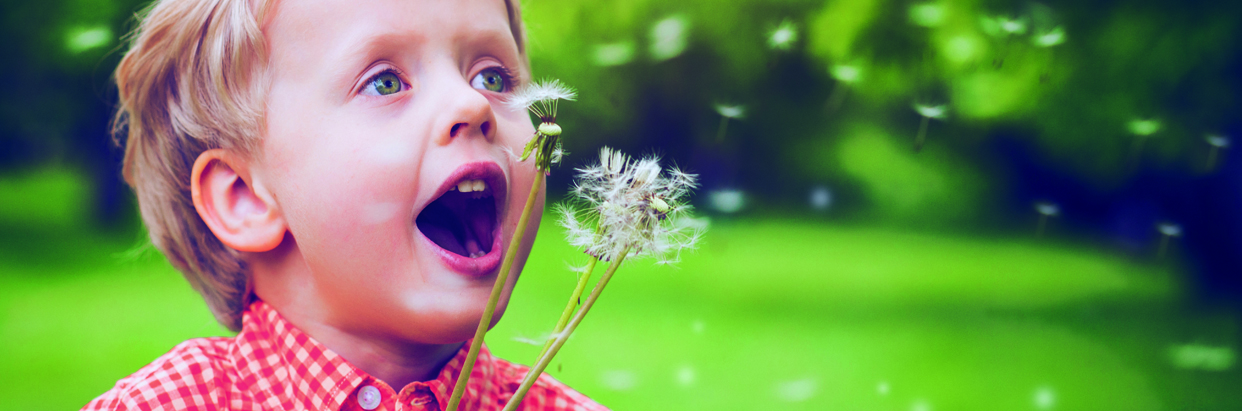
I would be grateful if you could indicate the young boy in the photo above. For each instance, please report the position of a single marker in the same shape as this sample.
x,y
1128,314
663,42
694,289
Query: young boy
x,y
336,179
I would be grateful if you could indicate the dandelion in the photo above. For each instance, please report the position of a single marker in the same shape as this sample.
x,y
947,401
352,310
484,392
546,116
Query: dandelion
x,y
928,112
1046,210
845,75
1012,27
728,112
1142,129
1167,231
1044,398
1217,143
783,36
541,98
633,208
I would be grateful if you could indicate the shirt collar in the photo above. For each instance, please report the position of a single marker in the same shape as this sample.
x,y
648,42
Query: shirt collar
x,y
292,370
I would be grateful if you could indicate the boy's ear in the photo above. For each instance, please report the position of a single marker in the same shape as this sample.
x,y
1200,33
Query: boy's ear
x,y
234,206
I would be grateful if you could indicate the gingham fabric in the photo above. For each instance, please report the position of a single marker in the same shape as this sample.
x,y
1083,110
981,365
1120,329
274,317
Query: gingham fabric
x,y
272,365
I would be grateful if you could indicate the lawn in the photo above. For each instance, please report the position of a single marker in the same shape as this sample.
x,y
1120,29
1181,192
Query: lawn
x,y
768,314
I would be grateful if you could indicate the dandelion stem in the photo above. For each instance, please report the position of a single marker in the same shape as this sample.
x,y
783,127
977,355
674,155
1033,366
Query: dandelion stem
x,y
1136,153
574,300
1211,161
1043,224
724,124
918,139
537,369
501,278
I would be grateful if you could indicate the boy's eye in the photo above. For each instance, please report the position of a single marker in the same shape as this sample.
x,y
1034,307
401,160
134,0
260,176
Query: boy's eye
x,y
384,84
491,79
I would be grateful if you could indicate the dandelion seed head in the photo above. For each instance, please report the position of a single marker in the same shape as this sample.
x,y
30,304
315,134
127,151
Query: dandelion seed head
x,y
731,111
783,36
540,98
634,204
938,112
727,201
821,198
1144,127
1217,141
1050,38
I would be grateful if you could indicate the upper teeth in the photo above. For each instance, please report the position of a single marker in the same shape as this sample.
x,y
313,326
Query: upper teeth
x,y
467,186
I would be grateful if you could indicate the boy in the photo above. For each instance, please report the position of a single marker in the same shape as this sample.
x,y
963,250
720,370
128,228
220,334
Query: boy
x,y
335,178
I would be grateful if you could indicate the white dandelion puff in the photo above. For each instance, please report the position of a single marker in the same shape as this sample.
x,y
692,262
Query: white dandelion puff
x,y
635,205
668,37
541,97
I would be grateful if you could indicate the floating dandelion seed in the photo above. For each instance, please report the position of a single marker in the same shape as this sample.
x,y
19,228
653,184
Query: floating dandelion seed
x,y
1012,26
882,388
1049,38
1046,210
783,36
821,198
727,201
928,112
1044,398
728,112
1217,143
613,54
845,75
619,380
79,39
927,14
668,37
796,390
1143,129
685,376
1167,231
636,206
541,99
1202,357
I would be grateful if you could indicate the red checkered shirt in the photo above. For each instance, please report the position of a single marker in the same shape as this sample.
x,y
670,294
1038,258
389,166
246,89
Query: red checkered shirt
x,y
272,365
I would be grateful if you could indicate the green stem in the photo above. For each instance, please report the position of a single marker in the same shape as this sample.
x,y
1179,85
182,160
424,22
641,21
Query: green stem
x,y
501,278
574,300
542,364
724,125
1043,224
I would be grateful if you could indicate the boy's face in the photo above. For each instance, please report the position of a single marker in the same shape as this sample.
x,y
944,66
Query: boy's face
x,y
379,112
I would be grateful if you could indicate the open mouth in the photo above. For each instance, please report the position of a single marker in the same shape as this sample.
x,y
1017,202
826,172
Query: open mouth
x,y
464,220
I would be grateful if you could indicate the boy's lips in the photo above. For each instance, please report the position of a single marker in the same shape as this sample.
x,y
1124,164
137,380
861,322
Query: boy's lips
x,y
462,222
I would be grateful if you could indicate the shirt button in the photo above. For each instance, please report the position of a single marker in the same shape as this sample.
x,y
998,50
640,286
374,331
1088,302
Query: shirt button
x,y
369,397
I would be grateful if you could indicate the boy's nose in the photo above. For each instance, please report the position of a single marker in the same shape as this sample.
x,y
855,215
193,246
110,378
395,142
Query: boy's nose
x,y
468,113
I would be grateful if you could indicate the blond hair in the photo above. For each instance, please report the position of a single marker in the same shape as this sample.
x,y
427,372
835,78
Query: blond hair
x,y
193,80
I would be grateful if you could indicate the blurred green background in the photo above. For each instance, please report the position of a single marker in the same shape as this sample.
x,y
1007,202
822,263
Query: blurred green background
x,y
1068,237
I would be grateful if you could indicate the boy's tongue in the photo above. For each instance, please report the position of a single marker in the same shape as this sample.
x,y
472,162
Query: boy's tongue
x,y
459,224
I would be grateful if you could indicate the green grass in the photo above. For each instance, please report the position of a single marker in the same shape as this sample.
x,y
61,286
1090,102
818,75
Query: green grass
x,y
768,314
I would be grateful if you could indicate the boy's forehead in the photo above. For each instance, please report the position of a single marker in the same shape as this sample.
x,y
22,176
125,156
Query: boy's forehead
x,y
346,27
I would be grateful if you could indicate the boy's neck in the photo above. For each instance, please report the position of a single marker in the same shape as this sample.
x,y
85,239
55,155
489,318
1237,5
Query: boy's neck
x,y
276,275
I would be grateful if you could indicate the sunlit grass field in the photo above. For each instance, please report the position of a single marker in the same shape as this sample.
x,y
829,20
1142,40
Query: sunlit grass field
x,y
768,314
